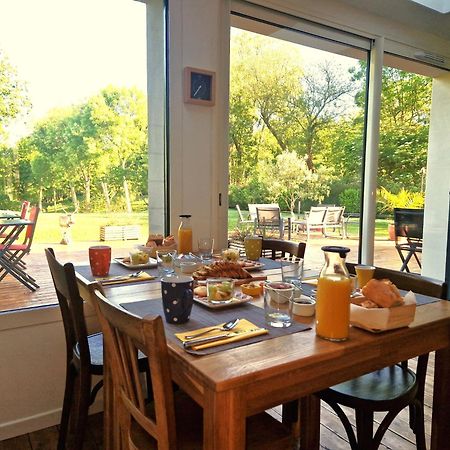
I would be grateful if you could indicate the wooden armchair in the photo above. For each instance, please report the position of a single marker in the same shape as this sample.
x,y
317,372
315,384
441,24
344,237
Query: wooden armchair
x,y
173,420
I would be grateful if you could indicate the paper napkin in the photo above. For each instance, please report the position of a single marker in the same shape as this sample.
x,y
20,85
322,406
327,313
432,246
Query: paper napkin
x,y
125,279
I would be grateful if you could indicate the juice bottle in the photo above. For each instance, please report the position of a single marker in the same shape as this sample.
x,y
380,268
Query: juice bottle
x,y
333,296
185,234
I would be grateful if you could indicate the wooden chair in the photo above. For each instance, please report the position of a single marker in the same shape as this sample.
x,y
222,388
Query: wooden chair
x,y
389,389
269,219
84,355
17,252
173,420
277,249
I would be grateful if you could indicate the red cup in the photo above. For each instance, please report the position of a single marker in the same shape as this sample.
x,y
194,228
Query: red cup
x,y
100,259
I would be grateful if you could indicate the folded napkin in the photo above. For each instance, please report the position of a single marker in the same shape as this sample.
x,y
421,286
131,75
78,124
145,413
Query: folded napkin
x,y
243,330
125,279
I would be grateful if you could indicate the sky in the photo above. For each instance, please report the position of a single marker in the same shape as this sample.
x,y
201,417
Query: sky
x,y
67,50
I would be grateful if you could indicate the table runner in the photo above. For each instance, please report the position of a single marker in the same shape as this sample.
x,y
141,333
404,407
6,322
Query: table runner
x,y
203,317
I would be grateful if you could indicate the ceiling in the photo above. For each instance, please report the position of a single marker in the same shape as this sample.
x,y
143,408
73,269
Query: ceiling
x,y
442,6
411,13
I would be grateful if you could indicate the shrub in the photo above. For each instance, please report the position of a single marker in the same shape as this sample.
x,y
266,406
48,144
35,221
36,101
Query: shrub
x,y
404,199
253,192
351,199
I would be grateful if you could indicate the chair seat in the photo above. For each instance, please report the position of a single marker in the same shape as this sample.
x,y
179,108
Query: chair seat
x,y
263,431
95,342
375,389
15,247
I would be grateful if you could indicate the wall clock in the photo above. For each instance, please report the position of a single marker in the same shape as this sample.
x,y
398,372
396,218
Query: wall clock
x,y
199,86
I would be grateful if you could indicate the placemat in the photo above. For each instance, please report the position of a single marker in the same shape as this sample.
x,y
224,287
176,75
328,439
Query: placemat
x,y
117,269
202,317
420,298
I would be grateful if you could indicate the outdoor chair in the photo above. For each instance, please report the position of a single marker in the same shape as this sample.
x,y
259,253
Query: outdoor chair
x,y
16,252
389,389
84,355
241,218
334,219
172,420
314,220
277,249
268,219
408,225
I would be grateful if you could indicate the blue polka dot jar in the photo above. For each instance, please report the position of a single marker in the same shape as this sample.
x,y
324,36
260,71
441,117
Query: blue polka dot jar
x,y
177,298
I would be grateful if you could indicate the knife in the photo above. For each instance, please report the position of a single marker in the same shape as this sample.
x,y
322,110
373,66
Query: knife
x,y
219,337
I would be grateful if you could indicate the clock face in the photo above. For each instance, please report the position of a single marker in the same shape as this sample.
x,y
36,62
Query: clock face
x,y
201,86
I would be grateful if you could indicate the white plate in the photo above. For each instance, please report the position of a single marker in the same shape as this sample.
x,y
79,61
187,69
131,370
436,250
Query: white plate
x,y
151,263
238,299
252,265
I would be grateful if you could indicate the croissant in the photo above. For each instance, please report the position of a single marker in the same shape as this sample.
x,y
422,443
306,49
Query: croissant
x,y
221,269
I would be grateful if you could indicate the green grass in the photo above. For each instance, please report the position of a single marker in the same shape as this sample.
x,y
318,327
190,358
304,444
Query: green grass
x,y
87,225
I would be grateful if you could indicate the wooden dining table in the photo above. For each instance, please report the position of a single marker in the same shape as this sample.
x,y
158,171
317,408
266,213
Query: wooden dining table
x,y
231,385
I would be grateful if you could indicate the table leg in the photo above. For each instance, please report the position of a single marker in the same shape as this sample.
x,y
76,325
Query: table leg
x,y
440,424
223,421
309,423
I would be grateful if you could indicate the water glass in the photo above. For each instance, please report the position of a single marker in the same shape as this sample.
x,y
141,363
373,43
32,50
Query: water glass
x,y
205,248
278,303
165,262
292,271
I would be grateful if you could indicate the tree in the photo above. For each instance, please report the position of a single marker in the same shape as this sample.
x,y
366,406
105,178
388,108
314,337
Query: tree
x,y
13,102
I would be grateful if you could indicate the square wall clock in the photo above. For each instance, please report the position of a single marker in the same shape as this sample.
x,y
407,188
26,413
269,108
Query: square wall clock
x,y
199,86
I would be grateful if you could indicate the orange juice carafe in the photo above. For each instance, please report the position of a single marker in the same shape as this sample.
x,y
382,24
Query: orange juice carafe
x,y
333,296
185,234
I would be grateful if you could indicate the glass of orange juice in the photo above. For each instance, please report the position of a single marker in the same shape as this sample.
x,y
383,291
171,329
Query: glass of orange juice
x,y
334,288
364,274
253,247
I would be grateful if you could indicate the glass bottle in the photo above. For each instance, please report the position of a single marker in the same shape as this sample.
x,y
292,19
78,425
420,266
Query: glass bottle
x,y
185,234
333,296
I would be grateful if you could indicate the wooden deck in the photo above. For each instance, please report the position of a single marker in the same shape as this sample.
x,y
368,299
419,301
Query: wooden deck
x,y
15,296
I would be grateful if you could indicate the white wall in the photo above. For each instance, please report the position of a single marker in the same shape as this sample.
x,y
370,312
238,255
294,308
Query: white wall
x,y
32,369
438,181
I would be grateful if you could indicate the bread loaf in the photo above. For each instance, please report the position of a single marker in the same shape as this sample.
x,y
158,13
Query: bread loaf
x,y
382,292
221,269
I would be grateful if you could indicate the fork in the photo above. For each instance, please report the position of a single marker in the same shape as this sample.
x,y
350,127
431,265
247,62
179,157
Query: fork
x,y
125,277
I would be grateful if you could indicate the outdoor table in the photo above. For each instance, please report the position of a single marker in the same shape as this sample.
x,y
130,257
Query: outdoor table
x,y
10,230
7,214
233,384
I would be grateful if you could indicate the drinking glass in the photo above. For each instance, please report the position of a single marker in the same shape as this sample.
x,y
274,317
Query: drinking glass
x,y
220,290
165,260
292,271
278,303
253,247
364,274
205,248
100,260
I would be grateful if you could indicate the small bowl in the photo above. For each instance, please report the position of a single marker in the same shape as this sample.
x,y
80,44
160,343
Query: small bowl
x,y
254,291
278,291
303,306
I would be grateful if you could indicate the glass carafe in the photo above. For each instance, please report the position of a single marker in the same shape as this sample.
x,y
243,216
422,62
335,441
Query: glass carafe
x,y
333,296
185,234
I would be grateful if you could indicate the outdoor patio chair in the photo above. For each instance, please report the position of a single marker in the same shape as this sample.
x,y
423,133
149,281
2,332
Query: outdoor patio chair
x,y
17,252
241,218
408,225
334,219
389,389
269,219
173,420
314,220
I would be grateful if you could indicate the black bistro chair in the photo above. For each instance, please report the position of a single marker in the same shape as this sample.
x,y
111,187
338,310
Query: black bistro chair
x,y
389,389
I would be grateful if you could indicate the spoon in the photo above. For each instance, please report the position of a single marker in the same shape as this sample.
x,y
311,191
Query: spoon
x,y
225,327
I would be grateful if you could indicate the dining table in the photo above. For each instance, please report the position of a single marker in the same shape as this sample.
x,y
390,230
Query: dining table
x,y
10,230
231,384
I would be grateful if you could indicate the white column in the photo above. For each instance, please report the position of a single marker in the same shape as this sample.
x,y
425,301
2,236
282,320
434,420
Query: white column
x,y
156,88
438,182
372,150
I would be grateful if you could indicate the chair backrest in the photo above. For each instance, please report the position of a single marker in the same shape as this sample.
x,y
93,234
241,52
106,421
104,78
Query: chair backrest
x,y
252,208
334,215
241,216
408,223
317,215
71,305
277,248
409,281
268,216
124,334
24,209
29,233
